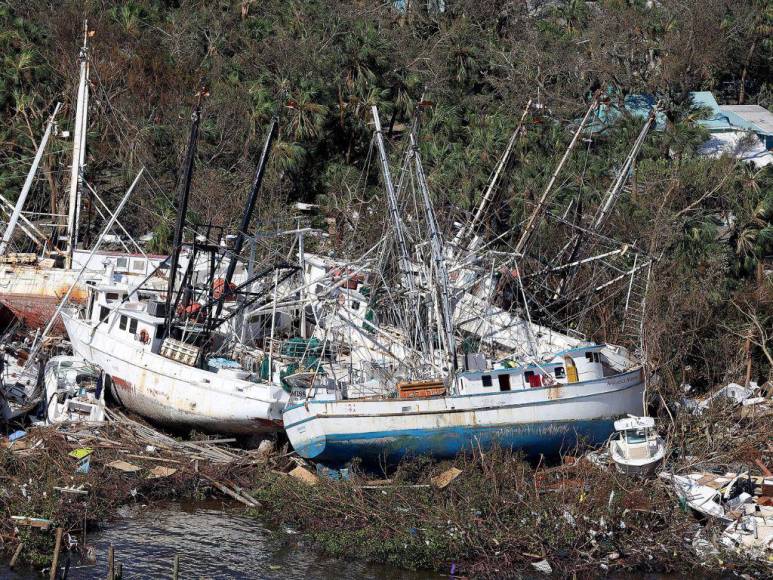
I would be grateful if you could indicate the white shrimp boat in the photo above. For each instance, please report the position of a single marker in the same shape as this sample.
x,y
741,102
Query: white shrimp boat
x,y
546,408
637,449
74,391
152,375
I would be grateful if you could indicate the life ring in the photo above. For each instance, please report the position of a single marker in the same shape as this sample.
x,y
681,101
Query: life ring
x,y
144,336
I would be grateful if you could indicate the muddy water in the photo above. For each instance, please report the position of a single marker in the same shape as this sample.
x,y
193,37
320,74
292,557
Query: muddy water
x,y
213,541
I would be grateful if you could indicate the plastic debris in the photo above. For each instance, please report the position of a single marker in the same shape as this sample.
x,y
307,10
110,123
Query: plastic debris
x,y
334,474
542,566
81,453
84,465
16,435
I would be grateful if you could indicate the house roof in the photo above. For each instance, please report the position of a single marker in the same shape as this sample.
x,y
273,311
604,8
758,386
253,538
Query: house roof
x,y
638,106
754,114
733,117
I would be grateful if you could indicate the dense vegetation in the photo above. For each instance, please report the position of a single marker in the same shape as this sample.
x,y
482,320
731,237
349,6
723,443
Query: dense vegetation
x,y
319,65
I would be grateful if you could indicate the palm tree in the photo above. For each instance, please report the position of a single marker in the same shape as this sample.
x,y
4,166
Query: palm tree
x,y
306,115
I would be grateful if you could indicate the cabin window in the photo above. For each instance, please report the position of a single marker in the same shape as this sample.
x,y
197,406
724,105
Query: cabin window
x,y
122,323
318,289
532,379
592,357
122,263
104,313
133,325
504,382
111,296
138,265
486,380
560,372
355,305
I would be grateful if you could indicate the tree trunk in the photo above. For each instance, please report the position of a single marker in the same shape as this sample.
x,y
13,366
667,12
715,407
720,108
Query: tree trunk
x,y
742,89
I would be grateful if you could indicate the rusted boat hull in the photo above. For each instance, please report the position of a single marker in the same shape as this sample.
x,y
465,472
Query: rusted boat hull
x,y
32,294
35,311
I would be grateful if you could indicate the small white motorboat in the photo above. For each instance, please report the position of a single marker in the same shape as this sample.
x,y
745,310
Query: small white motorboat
x,y
74,391
637,448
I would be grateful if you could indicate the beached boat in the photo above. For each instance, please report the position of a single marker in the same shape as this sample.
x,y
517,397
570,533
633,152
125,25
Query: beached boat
x,y
74,391
33,283
33,291
637,449
547,392
20,383
539,408
155,375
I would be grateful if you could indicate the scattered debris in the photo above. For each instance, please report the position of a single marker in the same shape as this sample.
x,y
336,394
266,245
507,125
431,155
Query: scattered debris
x,y
304,475
41,523
160,471
542,566
445,478
123,466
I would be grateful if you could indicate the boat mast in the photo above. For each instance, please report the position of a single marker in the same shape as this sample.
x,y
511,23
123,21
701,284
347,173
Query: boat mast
x,y
248,211
394,210
622,176
438,257
472,227
609,201
78,147
404,261
8,234
182,201
533,220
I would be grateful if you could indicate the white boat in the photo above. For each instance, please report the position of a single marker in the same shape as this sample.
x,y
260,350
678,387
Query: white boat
x,y
153,375
637,449
20,384
74,391
539,408
702,498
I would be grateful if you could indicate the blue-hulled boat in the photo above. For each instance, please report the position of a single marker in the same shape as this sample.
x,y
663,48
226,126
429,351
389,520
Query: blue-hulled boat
x,y
546,407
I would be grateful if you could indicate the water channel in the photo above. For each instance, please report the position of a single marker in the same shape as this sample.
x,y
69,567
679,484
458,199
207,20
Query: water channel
x,y
214,540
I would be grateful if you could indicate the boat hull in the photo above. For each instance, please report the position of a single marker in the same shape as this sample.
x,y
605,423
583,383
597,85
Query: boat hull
x,y
32,293
175,395
637,468
547,421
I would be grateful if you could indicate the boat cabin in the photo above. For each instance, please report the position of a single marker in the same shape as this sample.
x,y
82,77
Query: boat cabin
x,y
137,320
572,366
637,437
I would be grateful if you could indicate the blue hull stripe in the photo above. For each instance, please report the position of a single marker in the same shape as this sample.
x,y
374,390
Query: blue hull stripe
x,y
549,438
